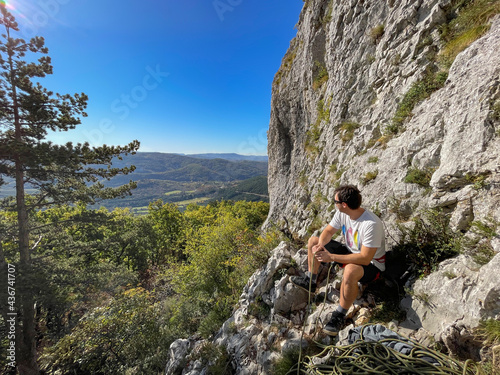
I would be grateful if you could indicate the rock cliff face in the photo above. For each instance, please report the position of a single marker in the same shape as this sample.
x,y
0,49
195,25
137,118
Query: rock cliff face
x,y
336,119
337,92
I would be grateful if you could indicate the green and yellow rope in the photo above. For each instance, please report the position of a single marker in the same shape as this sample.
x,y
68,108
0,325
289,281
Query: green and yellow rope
x,y
362,357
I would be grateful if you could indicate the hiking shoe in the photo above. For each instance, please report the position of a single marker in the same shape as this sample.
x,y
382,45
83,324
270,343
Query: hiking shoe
x,y
336,322
303,283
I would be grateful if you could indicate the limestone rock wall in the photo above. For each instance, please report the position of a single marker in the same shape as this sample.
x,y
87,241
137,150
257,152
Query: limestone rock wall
x,y
454,132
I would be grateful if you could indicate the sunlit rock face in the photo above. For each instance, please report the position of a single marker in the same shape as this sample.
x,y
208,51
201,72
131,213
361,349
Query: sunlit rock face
x,y
334,104
337,93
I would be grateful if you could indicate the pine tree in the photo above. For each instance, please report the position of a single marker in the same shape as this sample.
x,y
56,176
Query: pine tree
x,y
61,174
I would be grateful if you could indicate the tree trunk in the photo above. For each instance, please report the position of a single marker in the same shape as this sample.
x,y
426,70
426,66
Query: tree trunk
x,y
27,343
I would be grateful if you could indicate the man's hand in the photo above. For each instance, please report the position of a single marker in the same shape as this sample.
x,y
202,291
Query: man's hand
x,y
317,248
322,254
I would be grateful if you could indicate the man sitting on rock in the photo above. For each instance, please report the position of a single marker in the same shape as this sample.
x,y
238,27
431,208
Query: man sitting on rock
x,y
363,256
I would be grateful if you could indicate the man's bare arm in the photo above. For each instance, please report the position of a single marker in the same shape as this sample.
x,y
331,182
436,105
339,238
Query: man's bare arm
x,y
363,258
325,237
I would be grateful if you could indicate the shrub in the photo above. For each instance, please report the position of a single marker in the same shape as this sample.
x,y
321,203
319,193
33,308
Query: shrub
x,y
219,259
418,92
130,333
286,362
420,177
479,245
287,63
302,180
487,228
328,15
314,132
217,359
312,139
321,75
483,253
259,309
428,241
478,181
489,330
495,110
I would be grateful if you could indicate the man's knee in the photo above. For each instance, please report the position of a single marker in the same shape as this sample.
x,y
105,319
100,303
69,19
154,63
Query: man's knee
x,y
313,241
353,273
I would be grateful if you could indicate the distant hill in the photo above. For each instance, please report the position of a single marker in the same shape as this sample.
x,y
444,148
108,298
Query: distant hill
x,y
254,189
233,157
181,168
183,179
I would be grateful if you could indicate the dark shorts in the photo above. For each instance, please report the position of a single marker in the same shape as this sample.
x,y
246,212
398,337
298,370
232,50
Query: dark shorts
x,y
371,271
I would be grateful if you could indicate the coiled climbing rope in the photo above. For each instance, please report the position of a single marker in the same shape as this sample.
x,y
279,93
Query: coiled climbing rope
x,y
363,357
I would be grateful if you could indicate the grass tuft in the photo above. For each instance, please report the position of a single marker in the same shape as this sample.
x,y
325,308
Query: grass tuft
x,y
376,33
347,128
417,93
471,22
420,177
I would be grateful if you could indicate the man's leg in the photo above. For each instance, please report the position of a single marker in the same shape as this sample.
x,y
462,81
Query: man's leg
x,y
312,262
349,286
308,283
348,293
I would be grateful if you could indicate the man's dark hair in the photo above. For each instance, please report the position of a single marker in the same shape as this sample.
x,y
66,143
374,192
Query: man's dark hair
x,y
350,195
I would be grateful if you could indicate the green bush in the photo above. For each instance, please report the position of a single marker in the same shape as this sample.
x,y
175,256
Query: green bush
x,y
321,75
487,228
286,362
489,330
370,176
259,309
428,241
483,253
220,256
129,333
420,177
312,139
216,359
479,245
191,267
314,132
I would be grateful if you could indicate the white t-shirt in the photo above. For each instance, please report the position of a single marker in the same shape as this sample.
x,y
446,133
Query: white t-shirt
x,y
367,230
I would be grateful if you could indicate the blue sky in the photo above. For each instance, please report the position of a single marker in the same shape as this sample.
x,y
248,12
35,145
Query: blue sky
x,y
184,76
